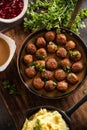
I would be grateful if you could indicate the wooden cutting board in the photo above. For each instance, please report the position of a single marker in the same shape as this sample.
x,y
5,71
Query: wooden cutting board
x,y
18,104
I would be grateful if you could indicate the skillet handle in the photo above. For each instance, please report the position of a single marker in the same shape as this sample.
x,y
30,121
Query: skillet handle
x,y
76,9
76,106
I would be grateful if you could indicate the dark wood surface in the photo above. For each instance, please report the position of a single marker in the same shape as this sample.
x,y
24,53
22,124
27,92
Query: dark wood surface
x,y
18,104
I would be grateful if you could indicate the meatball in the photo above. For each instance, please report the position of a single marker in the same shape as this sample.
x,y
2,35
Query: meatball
x,y
38,83
40,42
66,64
62,86
75,55
40,65
47,75
41,53
61,52
30,72
77,67
50,36
70,45
50,85
60,75
72,78
51,64
31,48
51,47
28,59
61,39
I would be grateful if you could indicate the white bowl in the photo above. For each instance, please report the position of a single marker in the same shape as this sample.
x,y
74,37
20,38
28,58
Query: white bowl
x,y
19,16
12,47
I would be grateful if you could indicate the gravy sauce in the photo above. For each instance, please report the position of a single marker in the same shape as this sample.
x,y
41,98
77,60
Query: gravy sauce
x,y
4,51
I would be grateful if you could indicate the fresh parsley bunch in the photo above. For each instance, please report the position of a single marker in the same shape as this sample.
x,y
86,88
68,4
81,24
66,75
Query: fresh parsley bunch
x,y
52,13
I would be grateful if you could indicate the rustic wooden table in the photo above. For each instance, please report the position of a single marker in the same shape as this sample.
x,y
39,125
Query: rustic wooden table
x,y
18,104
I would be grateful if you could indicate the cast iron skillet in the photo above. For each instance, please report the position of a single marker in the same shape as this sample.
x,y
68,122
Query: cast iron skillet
x,y
64,31
19,61
65,114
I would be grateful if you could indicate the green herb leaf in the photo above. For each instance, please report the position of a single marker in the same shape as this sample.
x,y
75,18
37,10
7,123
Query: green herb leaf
x,y
10,87
40,67
37,125
50,43
51,14
54,84
31,64
72,53
84,91
67,69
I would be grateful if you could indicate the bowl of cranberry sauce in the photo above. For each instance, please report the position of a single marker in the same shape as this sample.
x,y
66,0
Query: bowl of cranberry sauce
x,y
12,10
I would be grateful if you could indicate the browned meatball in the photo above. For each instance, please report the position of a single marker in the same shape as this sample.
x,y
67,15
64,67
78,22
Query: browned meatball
x,y
51,47
47,75
62,86
50,85
61,39
60,75
61,52
40,42
41,53
40,65
30,72
75,55
50,36
28,59
72,78
70,45
51,64
77,67
31,48
66,64
38,83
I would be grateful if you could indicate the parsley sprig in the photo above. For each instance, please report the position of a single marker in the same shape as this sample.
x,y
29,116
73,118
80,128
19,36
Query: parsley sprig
x,y
53,13
37,125
10,87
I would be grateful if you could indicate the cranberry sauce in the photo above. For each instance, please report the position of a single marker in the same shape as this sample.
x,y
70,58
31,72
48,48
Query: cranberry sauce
x,y
10,8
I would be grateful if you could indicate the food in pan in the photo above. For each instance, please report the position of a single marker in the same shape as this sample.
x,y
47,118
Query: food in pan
x,y
41,42
61,39
52,63
45,120
61,52
38,83
62,86
28,59
50,85
50,36
41,53
31,48
77,67
59,74
52,47
70,45
30,72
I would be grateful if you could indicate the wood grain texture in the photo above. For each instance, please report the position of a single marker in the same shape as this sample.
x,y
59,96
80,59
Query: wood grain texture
x,y
18,104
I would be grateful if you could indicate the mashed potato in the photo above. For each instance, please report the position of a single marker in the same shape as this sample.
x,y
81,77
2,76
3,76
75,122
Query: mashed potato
x,y
45,120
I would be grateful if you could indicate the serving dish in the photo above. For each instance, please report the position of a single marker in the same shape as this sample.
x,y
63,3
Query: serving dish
x,y
8,50
52,94
66,115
